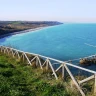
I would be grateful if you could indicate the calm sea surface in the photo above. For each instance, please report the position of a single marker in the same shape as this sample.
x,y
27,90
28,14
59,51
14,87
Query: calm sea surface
x,y
63,42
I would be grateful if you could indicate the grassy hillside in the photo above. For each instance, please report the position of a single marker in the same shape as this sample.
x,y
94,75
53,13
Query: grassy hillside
x,y
18,79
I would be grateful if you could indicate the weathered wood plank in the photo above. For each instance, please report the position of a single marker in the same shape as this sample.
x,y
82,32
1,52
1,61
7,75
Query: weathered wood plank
x,y
44,63
95,85
36,61
47,62
63,71
12,54
27,59
18,54
53,70
58,68
86,80
39,62
33,59
75,82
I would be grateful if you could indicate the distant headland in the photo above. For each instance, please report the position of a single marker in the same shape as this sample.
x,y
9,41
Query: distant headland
x,y
7,27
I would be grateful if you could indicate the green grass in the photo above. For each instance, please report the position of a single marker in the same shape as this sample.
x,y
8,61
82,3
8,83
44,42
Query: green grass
x,y
16,79
19,79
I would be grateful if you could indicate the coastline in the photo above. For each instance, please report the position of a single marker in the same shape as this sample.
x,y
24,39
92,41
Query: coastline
x,y
24,31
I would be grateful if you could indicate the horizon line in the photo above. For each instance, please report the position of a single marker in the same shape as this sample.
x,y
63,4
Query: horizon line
x,y
51,21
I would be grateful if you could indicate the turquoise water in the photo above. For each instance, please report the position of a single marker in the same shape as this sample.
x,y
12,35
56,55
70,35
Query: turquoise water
x,y
63,42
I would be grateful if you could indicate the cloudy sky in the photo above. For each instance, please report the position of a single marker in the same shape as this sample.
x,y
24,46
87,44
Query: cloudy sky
x,y
49,10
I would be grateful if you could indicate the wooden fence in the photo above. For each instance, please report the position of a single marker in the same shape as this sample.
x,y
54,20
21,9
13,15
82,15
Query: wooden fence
x,y
48,63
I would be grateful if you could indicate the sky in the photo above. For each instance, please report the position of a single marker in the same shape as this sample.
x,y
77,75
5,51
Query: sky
x,y
48,10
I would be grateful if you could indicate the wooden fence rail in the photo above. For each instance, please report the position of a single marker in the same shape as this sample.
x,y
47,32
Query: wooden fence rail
x,y
48,63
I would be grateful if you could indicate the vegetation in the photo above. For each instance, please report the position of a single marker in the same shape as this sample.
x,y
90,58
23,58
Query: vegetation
x,y
16,79
14,26
19,79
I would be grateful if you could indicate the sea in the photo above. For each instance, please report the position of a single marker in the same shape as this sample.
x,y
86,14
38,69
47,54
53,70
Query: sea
x,y
64,42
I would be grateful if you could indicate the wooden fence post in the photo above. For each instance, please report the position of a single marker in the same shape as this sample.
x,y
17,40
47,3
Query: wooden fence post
x,y
23,56
47,64
53,70
17,54
4,50
95,84
63,71
1,49
36,61
27,59
39,61
75,82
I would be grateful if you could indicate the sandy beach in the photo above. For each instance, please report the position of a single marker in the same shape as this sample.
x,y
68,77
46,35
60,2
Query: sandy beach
x,y
24,31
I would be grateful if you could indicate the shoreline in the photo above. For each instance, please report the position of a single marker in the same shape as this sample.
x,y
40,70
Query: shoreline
x,y
24,31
